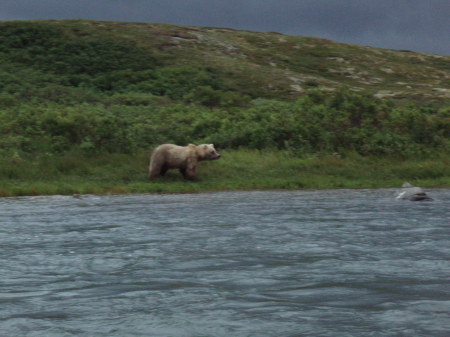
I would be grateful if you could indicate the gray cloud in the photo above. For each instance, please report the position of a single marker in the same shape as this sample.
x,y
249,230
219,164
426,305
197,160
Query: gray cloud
x,y
419,25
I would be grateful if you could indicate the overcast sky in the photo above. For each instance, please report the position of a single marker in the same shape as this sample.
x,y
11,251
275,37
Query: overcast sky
x,y
418,25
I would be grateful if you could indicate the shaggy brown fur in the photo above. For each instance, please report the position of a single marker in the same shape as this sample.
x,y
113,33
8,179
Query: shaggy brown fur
x,y
183,158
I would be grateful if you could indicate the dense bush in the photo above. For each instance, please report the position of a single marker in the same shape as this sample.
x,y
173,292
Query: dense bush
x,y
342,122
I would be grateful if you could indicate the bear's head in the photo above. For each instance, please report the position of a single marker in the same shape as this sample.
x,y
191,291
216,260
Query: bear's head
x,y
207,152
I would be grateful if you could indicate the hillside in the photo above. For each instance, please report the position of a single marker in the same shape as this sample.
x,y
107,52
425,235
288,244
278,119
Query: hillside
x,y
122,56
82,103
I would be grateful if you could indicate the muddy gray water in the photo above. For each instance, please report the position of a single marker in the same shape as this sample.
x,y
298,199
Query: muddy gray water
x,y
302,263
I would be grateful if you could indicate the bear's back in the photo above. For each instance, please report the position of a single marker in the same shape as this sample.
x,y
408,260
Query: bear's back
x,y
175,156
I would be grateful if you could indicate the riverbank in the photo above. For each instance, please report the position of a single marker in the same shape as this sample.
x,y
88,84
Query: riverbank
x,y
237,170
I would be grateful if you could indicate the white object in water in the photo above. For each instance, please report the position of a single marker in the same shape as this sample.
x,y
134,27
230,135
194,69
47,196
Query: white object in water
x,y
412,193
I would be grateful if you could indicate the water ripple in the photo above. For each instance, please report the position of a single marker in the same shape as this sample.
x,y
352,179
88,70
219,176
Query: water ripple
x,y
298,263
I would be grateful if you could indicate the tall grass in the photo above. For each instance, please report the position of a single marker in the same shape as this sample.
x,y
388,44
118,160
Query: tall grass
x,y
241,169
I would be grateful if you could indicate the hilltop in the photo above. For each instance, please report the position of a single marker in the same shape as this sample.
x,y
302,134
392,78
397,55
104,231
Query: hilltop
x,y
123,56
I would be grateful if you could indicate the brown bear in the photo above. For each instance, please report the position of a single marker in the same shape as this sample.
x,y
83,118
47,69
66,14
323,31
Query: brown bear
x,y
184,158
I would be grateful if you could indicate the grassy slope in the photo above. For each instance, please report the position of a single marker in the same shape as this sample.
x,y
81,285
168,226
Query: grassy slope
x,y
282,65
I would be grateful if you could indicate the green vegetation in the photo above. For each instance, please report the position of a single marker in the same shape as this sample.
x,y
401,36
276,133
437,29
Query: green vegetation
x,y
82,103
243,169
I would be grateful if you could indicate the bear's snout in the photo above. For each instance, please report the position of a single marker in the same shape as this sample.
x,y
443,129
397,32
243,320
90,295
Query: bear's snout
x,y
215,156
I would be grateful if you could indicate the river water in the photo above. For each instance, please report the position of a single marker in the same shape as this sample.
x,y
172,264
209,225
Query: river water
x,y
297,263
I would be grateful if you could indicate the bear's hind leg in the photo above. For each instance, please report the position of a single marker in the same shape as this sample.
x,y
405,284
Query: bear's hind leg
x,y
154,171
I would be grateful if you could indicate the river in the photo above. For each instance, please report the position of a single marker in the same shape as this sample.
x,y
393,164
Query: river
x,y
276,263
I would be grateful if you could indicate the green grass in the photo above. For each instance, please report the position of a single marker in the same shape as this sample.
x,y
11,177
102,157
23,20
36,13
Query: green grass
x,y
236,170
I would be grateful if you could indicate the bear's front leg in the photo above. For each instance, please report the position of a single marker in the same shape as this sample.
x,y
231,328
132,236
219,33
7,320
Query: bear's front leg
x,y
188,175
152,173
189,171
